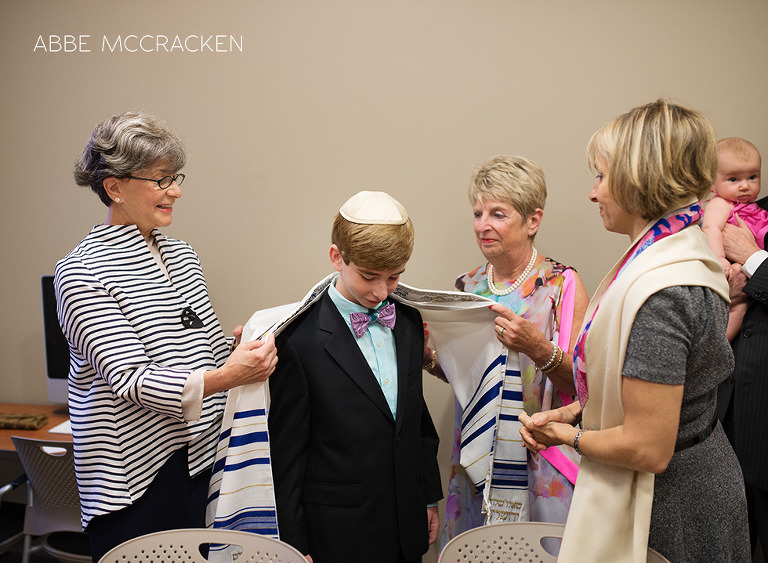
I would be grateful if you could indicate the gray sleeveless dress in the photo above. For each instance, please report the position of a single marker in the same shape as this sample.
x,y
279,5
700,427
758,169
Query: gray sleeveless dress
x,y
699,505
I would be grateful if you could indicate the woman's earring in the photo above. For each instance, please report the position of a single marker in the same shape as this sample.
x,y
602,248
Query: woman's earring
x,y
117,200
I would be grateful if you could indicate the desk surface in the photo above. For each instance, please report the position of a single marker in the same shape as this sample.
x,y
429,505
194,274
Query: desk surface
x,y
54,418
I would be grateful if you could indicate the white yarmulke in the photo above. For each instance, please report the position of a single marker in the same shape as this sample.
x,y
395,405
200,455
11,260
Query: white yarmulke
x,y
374,208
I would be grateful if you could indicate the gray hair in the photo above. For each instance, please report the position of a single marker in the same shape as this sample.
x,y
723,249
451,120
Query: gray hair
x,y
515,180
124,144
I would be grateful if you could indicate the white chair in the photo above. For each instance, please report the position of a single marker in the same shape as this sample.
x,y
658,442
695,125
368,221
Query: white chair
x,y
512,542
53,503
184,545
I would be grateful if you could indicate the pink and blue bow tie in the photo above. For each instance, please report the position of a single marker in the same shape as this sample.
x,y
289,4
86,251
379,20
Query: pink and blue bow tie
x,y
385,316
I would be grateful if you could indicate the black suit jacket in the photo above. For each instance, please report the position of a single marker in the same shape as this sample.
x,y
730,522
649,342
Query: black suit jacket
x,y
743,398
351,482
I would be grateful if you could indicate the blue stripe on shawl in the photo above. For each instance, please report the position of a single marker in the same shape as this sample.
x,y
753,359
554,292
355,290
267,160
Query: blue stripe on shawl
x,y
247,414
488,425
495,363
510,466
512,395
510,474
219,465
490,395
250,438
262,521
247,463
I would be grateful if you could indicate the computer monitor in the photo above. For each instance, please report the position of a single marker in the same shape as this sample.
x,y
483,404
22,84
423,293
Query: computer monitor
x,y
56,347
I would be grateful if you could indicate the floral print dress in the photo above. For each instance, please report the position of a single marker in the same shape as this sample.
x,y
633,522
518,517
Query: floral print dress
x,y
546,299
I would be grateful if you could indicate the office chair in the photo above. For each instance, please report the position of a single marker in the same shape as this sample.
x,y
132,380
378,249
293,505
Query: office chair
x,y
512,542
184,545
53,504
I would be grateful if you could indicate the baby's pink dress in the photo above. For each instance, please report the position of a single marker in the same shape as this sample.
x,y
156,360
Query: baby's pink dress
x,y
754,216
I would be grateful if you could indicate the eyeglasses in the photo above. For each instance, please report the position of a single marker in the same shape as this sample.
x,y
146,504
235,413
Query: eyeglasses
x,y
164,182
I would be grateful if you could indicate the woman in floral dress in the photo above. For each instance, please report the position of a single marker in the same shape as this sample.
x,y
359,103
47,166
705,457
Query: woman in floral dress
x,y
543,306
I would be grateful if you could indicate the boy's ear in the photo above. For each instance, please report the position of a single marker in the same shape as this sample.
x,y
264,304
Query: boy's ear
x,y
336,258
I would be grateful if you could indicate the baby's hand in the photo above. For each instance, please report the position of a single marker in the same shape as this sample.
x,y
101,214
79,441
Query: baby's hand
x,y
726,268
736,282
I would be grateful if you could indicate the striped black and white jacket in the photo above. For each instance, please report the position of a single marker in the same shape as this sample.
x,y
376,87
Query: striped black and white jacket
x,y
130,355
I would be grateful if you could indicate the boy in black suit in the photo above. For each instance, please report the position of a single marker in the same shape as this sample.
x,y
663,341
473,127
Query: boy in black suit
x,y
353,446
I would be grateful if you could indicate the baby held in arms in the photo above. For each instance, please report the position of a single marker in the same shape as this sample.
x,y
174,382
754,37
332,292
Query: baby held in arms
x,y
736,187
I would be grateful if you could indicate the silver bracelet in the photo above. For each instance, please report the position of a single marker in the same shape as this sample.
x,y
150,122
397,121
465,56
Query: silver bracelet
x,y
576,439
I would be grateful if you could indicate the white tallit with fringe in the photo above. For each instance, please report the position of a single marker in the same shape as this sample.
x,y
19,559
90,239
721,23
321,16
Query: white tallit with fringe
x,y
483,374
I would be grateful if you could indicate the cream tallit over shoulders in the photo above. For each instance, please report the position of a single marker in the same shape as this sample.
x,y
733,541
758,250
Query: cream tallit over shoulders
x,y
610,515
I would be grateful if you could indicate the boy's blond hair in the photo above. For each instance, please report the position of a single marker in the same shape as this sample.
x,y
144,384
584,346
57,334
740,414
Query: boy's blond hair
x,y
374,247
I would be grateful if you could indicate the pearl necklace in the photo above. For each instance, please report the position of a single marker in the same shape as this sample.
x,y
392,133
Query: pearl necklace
x,y
510,288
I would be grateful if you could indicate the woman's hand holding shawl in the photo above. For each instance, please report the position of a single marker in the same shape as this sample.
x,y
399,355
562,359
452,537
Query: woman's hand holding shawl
x,y
250,362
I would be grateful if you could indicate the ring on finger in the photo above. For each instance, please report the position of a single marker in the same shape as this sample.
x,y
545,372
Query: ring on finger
x,y
501,329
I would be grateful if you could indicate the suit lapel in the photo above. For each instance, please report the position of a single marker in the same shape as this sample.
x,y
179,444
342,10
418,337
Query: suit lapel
x,y
344,350
764,204
402,346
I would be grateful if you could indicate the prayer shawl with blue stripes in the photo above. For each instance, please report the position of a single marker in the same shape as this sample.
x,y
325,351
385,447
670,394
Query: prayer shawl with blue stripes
x,y
483,374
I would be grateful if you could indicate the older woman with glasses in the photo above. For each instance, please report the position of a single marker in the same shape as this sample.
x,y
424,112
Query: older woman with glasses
x,y
150,363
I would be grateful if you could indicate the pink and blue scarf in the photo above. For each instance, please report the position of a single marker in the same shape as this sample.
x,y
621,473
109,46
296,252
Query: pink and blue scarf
x,y
670,224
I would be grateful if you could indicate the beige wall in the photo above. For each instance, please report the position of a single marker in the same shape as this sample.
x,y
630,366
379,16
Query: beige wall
x,y
328,98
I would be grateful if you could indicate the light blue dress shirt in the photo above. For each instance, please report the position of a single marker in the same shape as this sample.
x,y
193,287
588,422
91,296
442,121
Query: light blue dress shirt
x,y
377,345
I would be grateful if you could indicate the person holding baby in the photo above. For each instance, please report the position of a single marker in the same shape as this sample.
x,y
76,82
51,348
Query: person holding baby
x,y
743,395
